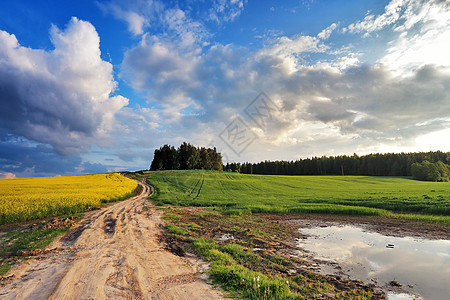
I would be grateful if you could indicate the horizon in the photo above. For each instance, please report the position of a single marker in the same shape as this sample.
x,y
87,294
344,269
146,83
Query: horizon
x,y
8,176
97,86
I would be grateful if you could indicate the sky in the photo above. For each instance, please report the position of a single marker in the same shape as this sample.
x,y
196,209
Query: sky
x,y
97,86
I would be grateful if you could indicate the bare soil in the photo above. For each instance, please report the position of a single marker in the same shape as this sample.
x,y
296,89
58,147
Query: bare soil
x,y
114,253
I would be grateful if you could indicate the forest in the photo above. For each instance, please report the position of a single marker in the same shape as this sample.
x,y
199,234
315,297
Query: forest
x,y
390,164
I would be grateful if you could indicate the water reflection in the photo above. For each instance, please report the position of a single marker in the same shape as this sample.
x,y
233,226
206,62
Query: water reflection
x,y
422,266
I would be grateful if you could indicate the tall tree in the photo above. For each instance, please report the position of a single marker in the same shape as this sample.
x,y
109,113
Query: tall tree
x,y
186,157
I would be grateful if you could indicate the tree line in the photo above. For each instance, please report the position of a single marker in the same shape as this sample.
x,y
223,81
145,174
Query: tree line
x,y
391,164
428,171
186,157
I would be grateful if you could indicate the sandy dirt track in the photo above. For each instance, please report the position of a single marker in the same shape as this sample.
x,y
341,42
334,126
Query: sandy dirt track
x,y
114,253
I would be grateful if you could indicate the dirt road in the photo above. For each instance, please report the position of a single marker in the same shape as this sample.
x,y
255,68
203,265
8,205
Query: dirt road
x,y
112,254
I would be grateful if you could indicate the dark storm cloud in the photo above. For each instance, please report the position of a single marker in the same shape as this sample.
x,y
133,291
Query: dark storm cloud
x,y
58,97
24,159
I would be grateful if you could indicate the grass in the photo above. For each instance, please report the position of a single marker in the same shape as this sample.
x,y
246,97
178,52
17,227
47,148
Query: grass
x,y
249,274
17,241
350,195
36,198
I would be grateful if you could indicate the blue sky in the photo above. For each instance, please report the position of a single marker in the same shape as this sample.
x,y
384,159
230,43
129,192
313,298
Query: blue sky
x,y
95,86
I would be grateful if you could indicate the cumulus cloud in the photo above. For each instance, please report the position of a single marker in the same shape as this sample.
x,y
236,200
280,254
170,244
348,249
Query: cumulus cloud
x,y
327,98
336,103
61,97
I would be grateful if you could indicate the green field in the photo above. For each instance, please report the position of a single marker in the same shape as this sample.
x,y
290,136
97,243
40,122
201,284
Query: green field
x,y
359,195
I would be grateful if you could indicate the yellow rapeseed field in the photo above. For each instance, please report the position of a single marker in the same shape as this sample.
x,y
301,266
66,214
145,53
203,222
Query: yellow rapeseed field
x,y
34,198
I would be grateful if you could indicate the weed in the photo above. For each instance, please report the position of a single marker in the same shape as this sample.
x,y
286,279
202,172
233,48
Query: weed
x,y
176,230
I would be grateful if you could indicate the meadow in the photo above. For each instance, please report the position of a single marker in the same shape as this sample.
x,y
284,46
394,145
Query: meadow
x,y
350,195
36,198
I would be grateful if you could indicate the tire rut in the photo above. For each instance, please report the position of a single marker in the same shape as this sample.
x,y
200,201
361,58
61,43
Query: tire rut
x,y
114,253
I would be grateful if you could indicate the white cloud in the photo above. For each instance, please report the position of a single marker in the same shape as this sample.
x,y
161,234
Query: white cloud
x,y
136,22
332,101
364,104
326,33
59,97
187,32
372,23
170,22
424,38
226,10
137,14
287,52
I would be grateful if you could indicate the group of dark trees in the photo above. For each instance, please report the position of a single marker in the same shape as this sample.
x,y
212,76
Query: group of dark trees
x,y
392,164
186,157
428,171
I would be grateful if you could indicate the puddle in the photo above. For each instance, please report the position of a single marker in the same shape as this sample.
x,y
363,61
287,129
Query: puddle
x,y
226,237
420,265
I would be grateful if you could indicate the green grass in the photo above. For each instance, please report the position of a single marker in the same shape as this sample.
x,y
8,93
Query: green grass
x,y
176,230
351,195
13,242
227,269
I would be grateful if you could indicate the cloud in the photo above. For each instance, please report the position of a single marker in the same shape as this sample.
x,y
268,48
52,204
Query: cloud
x,y
92,168
137,14
27,159
328,98
169,21
326,33
392,13
323,103
186,31
136,22
423,38
61,97
330,102
417,34
8,175
226,10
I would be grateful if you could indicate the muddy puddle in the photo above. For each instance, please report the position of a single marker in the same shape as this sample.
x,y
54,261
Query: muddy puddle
x,y
421,266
